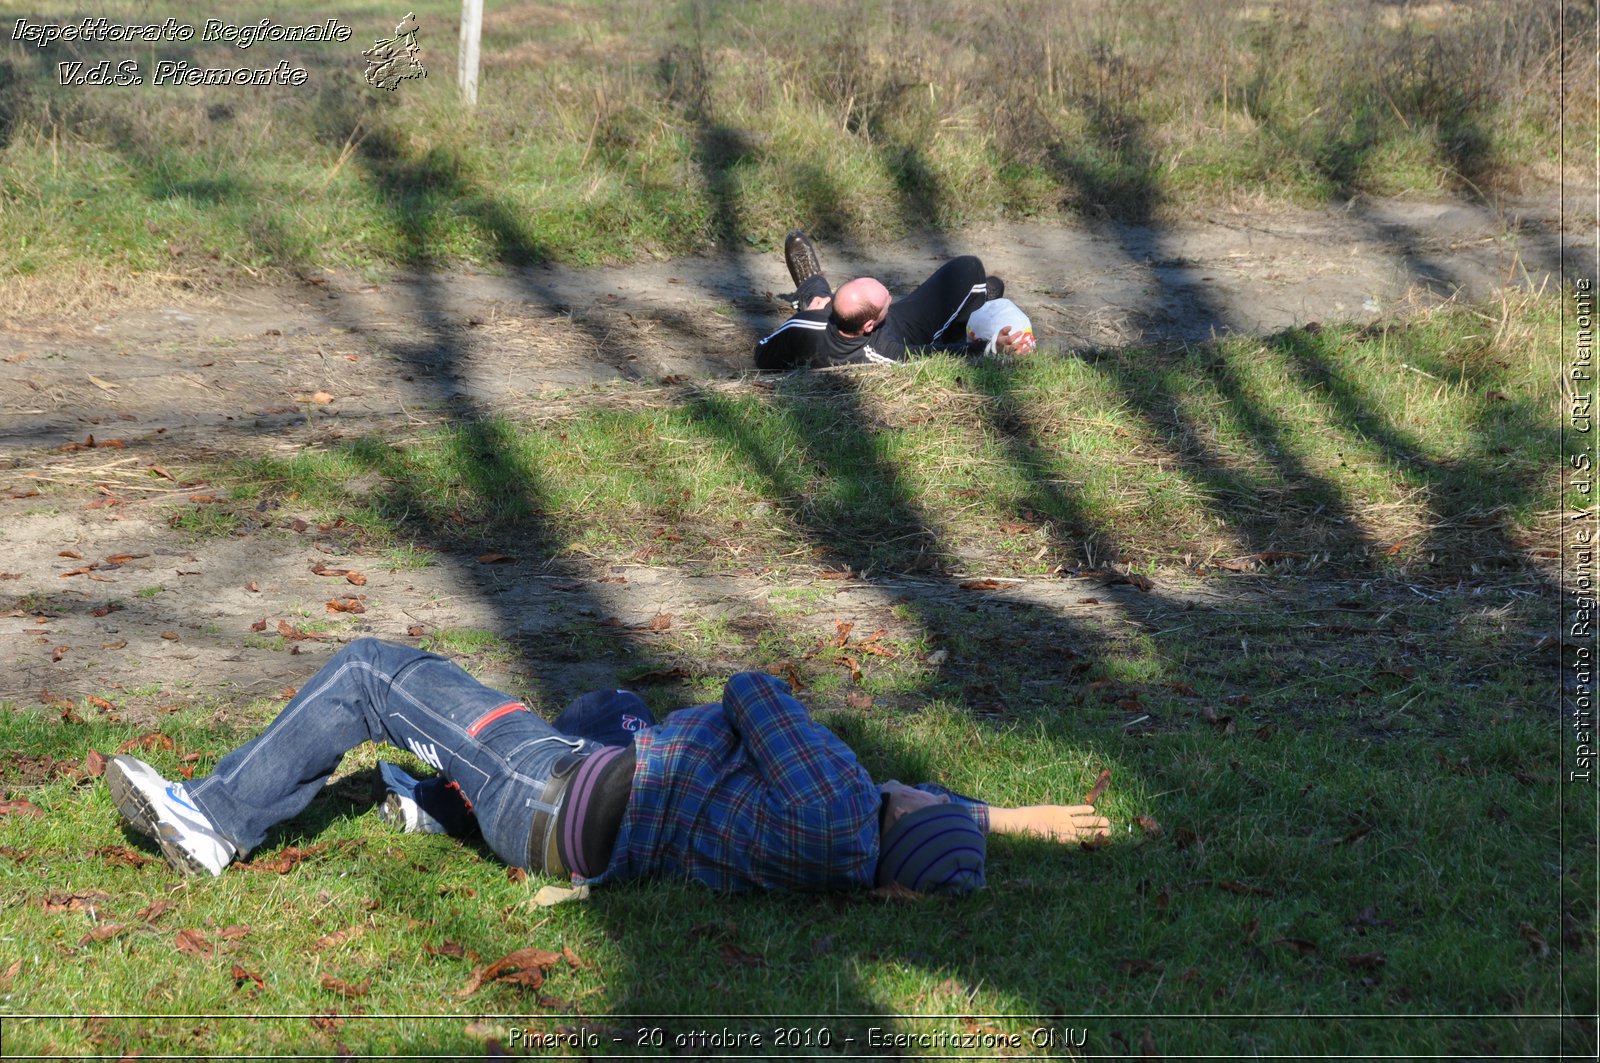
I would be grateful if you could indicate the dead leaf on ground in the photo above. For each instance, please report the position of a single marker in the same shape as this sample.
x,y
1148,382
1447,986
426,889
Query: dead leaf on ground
x,y
339,937
571,957
1536,942
285,860
414,631
984,584
253,588
1150,827
893,891
659,622
1251,561
155,910
321,398
858,699
19,807
1359,831
233,933
854,666
63,901
1366,961
103,932
734,956
1300,946
658,675
121,854
524,967
241,976
347,989
194,943
787,671
151,740
1241,888
355,578
58,653
73,554
170,636
496,558
449,948
94,764
294,634
10,972
516,875
345,605
829,573
117,560
1099,787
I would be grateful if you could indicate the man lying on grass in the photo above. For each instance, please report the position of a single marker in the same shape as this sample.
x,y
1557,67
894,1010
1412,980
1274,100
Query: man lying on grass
x,y
862,324
748,793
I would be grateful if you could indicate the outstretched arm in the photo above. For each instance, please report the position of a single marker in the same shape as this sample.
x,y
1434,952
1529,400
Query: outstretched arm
x,y
1060,823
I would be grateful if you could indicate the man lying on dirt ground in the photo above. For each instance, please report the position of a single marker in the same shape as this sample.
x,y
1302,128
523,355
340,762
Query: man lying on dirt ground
x,y
862,323
748,793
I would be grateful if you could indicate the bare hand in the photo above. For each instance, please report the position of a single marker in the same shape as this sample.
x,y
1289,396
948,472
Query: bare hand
x,y
1059,823
1013,342
818,302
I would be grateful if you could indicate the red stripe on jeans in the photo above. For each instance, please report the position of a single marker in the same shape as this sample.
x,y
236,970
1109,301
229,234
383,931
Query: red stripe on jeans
x,y
494,714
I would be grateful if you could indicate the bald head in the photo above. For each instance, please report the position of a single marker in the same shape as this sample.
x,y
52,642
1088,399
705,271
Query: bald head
x,y
859,306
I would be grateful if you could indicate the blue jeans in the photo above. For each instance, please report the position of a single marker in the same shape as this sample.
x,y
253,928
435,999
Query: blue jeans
x,y
499,754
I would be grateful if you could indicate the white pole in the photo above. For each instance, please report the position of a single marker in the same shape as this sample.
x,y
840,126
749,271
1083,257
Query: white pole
x,y
467,66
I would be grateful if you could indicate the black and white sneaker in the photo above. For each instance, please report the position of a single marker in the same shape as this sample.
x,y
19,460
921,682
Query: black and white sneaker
x,y
163,811
994,288
800,255
407,816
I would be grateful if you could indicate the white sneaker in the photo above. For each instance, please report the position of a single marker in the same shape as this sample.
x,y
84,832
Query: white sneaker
x,y
408,816
163,811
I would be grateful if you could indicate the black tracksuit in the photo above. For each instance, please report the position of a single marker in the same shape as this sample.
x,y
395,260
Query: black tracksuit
x,y
935,315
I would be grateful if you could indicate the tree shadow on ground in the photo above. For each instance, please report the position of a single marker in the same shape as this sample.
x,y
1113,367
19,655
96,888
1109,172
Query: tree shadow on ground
x,y
990,940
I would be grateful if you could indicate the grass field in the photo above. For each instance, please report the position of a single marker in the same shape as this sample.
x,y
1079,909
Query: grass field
x,y
1336,794
608,131
1328,713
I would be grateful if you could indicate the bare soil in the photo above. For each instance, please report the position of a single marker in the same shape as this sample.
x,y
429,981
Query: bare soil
x,y
194,376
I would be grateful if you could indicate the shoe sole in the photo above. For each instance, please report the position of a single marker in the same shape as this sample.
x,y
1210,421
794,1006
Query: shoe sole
x,y
393,813
801,258
140,812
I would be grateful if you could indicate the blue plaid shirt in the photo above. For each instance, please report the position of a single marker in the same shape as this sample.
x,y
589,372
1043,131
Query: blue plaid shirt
x,y
751,794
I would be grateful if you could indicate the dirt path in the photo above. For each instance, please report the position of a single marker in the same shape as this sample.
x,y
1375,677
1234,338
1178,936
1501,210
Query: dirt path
x,y
172,624
249,363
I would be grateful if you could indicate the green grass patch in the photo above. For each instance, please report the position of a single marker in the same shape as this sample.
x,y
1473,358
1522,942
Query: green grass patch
x,y
605,133
1417,446
1304,860
1350,788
